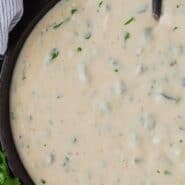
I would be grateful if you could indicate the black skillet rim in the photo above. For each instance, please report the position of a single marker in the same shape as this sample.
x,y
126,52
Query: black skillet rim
x,y
6,137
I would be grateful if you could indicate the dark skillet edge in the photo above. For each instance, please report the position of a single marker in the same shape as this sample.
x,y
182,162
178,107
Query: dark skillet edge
x,y
6,137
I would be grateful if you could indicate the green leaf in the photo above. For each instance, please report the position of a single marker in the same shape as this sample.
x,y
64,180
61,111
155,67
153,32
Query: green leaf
x,y
57,25
167,172
175,28
53,54
4,173
87,36
5,177
2,158
75,140
79,49
43,181
12,181
126,35
2,178
73,11
129,20
100,4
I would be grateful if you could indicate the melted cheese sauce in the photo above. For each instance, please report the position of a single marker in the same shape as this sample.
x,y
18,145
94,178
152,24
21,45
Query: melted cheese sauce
x,y
98,95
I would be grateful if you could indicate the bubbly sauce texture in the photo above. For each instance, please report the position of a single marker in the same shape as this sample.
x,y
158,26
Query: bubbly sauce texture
x,y
98,95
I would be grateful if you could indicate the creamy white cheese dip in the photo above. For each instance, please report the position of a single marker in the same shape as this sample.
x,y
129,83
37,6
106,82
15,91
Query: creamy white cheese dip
x,y
98,95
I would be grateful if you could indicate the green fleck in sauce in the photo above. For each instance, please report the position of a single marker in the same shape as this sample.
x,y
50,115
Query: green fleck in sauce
x,y
53,55
130,20
100,4
79,49
167,172
87,35
73,11
126,35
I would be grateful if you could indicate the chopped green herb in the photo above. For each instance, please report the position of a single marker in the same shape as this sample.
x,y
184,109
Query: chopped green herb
x,y
129,20
75,140
182,128
43,181
167,172
57,25
53,54
116,70
23,76
73,11
158,171
178,5
180,141
66,161
126,35
79,49
100,4
170,98
137,160
175,28
87,36
59,97
24,73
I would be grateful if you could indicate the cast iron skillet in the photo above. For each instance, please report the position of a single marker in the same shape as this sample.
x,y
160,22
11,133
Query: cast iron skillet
x,y
6,138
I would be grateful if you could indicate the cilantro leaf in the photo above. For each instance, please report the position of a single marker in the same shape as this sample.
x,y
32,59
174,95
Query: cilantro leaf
x,y
5,176
129,20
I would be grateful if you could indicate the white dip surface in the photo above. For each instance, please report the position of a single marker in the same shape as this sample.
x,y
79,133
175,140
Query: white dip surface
x,y
98,95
